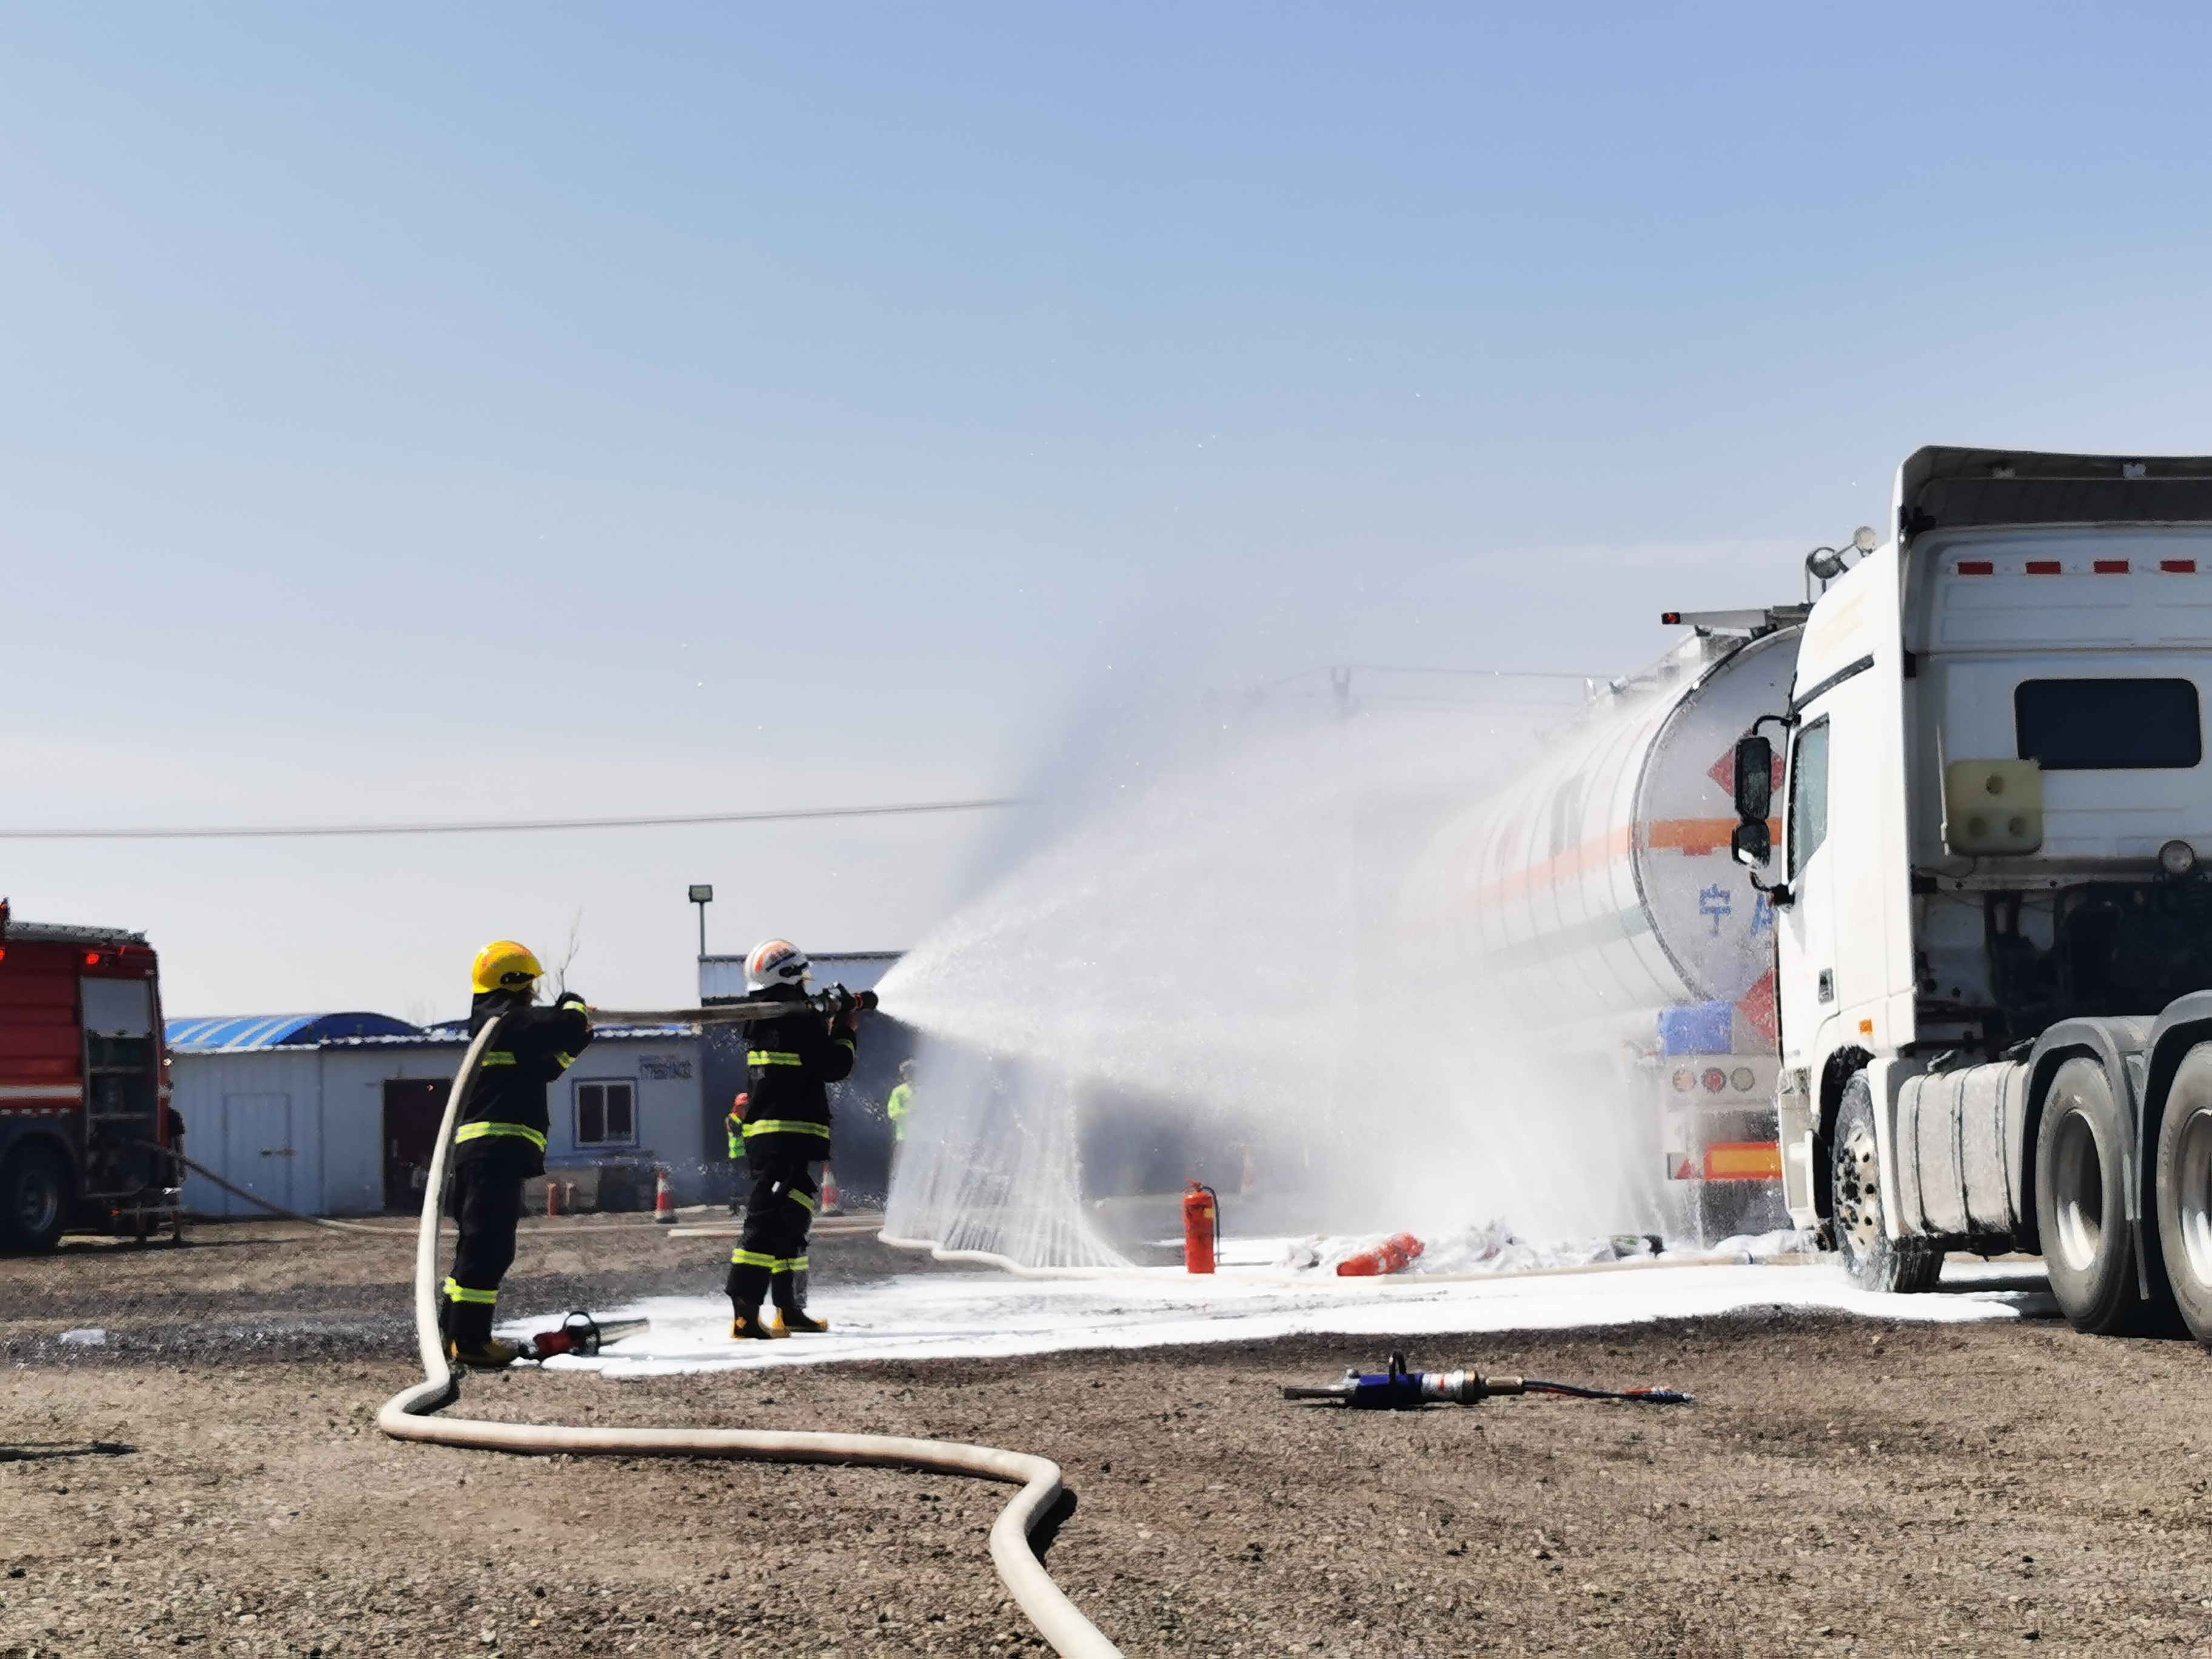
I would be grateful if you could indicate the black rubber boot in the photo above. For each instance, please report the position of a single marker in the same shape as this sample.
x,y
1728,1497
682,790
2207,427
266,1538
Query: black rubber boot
x,y
469,1340
747,1327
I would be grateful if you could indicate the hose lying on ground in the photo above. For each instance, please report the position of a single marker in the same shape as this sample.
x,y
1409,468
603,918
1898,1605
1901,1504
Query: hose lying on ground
x,y
277,1209
408,1415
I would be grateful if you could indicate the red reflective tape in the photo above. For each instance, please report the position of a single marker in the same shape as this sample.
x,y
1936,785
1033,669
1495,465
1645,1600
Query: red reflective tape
x,y
2044,568
2178,567
1977,568
2111,567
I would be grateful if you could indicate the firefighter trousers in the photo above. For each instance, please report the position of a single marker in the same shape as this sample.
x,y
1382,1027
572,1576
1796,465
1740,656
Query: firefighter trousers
x,y
486,1199
771,1257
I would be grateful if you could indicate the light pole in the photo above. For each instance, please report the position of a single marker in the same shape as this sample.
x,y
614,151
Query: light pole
x,y
703,896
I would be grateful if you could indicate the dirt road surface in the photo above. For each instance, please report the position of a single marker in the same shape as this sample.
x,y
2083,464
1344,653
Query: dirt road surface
x,y
209,1480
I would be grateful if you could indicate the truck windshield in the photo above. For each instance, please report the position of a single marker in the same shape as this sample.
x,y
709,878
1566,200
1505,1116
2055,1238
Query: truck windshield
x,y
1808,796
2095,726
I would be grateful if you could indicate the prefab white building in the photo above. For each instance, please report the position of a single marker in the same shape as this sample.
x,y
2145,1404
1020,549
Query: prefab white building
x,y
334,1114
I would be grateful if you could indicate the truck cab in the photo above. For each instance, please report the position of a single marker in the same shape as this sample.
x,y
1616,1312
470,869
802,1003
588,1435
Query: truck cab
x,y
84,1134
1994,926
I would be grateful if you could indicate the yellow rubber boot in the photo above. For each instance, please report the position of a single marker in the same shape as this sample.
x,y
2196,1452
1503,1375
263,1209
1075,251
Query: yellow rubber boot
x,y
797,1321
747,1328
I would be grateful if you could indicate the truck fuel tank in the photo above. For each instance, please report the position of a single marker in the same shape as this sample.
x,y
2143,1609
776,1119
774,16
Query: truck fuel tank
x,y
1960,1151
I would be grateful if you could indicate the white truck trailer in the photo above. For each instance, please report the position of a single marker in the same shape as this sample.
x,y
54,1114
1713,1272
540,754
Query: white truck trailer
x,y
1993,947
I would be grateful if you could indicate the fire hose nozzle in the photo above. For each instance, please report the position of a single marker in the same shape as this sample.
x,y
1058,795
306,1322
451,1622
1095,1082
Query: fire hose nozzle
x,y
1399,1390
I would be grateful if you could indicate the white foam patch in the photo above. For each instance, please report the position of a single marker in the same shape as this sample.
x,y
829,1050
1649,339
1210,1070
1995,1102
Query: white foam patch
x,y
949,1315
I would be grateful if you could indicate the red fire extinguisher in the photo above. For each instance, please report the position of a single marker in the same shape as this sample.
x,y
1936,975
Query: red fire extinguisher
x,y
1201,1227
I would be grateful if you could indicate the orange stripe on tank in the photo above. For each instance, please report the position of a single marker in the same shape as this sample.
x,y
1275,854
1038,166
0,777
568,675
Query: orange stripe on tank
x,y
1692,837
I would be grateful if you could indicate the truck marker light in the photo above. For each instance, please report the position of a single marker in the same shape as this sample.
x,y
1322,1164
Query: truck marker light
x,y
92,958
1743,1160
1685,1081
1977,568
1715,1080
1866,1028
2178,567
2044,568
2111,567
1740,1079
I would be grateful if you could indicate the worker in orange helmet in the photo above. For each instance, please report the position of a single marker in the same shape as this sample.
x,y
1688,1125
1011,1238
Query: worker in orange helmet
x,y
500,1142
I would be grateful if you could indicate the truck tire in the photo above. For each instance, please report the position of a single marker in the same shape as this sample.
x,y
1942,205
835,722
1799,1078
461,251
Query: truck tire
x,y
2184,1180
2081,1204
34,1199
1875,1260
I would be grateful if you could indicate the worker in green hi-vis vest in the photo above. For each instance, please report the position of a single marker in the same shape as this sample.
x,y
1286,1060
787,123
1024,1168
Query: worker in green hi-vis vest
x,y
902,1101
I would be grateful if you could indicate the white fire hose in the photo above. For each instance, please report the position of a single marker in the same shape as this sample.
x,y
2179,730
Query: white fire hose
x,y
408,1415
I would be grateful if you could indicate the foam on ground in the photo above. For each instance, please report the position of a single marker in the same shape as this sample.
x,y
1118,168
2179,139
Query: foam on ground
x,y
949,1315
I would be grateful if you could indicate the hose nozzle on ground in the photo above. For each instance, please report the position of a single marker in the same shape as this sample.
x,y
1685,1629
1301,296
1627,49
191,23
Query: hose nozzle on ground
x,y
1399,1390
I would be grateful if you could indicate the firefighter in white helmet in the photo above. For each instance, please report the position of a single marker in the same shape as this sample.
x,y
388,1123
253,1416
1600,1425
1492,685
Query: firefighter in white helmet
x,y
789,1064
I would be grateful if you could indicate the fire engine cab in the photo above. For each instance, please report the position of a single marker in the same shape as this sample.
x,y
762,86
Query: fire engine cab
x,y
84,1137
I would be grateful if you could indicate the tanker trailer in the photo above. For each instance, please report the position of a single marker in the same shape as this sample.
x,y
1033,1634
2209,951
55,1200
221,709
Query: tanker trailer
x,y
1592,901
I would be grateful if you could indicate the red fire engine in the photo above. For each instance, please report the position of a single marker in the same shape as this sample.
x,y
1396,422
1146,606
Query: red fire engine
x,y
84,1135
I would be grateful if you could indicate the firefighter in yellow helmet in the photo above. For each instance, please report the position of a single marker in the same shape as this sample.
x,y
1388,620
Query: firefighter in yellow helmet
x,y
500,1142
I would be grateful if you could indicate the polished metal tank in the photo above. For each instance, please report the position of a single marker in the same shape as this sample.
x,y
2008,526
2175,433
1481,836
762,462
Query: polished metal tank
x,y
1596,884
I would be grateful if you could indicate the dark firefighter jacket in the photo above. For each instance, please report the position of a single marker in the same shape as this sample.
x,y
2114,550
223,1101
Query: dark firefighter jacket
x,y
789,1064
506,1118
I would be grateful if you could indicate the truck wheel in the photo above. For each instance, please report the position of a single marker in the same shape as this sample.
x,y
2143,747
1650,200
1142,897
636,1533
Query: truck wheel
x,y
33,1199
2081,1204
2184,1191
1875,1260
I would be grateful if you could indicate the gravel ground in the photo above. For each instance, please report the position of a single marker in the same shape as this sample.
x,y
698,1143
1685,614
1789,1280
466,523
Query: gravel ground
x,y
1842,1486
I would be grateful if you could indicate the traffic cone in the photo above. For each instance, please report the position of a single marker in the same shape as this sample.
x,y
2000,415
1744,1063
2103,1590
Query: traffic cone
x,y
831,1203
663,1198
552,1198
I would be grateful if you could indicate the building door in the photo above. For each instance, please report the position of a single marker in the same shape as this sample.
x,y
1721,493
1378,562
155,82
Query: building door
x,y
257,1149
413,1108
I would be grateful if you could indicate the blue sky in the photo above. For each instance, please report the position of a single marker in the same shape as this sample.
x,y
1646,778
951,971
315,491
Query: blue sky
x,y
412,410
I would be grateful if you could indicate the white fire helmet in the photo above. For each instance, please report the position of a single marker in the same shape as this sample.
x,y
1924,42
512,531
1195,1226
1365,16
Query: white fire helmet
x,y
775,962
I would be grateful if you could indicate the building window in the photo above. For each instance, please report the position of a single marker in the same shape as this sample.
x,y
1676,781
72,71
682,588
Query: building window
x,y
606,1114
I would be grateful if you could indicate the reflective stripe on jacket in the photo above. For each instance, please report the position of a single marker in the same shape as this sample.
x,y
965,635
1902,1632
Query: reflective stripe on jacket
x,y
789,1066
506,1114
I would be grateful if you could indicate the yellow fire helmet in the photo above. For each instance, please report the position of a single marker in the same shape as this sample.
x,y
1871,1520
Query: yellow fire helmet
x,y
504,965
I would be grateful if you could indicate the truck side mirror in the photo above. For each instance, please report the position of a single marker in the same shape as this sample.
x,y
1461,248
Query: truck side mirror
x,y
1754,782
1751,845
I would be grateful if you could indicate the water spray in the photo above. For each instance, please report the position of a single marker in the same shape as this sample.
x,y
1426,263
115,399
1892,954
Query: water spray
x,y
1399,1390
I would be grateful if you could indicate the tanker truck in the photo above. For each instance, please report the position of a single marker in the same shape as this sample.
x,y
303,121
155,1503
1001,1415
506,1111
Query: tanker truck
x,y
1592,902
1992,936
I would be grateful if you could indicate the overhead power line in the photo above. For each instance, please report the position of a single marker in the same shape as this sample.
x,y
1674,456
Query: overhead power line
x,y
657,821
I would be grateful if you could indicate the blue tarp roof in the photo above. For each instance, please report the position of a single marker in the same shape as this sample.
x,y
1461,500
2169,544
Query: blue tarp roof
x,y
236,1034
